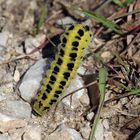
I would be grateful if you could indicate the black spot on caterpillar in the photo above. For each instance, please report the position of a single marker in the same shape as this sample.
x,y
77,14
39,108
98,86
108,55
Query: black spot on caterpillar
x,y
63,69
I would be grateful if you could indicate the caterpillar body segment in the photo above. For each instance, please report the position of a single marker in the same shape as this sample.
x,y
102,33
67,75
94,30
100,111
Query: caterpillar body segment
x,y
63,69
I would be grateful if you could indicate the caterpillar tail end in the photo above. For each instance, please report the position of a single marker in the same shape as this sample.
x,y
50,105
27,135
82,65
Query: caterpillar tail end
x,y
35,111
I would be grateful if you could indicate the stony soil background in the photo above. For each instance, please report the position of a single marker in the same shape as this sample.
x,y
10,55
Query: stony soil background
x,y
24,32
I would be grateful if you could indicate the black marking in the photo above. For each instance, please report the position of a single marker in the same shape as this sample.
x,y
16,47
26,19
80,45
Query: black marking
x,y
81,32
66,75
47,90
40,104
54,72
78,37
59,62
46,108
67,33
61,52
61,87
63,45
53,78
75,43
49,87
56,95
70,66
63,83
64,40
56,69
53,100
86,28
50,103
71,27
44,96
75,49
35,113
58,92
51,82
73,56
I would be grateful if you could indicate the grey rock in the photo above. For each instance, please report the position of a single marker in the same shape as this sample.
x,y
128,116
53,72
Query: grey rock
x,y
4,137
32,133
65,20
19,109
9,123
3,39
99,134
32,42
84,99
31,81
64,133
85,131
76,83
90,116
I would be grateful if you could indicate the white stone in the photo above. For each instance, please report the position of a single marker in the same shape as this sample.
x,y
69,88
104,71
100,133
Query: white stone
x,y
65,20
32,133
106,124
31,81
18,134
31,43
6,86
135,101
16,76
19,109
106,56
90,116
4,137
3,38
2,96
84,99
124,101
99,134
85,131
64,133
81,70
108,136
76,83
8,123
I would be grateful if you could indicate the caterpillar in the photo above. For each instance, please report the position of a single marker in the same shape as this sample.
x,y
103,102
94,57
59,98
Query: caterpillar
x,y
63,69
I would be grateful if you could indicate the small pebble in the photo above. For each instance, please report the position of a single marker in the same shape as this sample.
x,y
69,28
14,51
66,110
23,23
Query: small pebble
x,y
84,99
108,136
106,56
32,133
90,116
18,134
76,83
99,134
19,109
64,133
16,76
124,101
8,123
106,124
5,137
65,21
85,131
3,38
31,42
81,70
2,96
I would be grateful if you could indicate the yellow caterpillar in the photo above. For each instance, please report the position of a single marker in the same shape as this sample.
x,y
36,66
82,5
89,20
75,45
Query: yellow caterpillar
x,y
63,69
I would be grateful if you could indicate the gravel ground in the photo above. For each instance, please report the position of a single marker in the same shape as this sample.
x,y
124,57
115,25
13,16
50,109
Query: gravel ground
x,y
22,37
